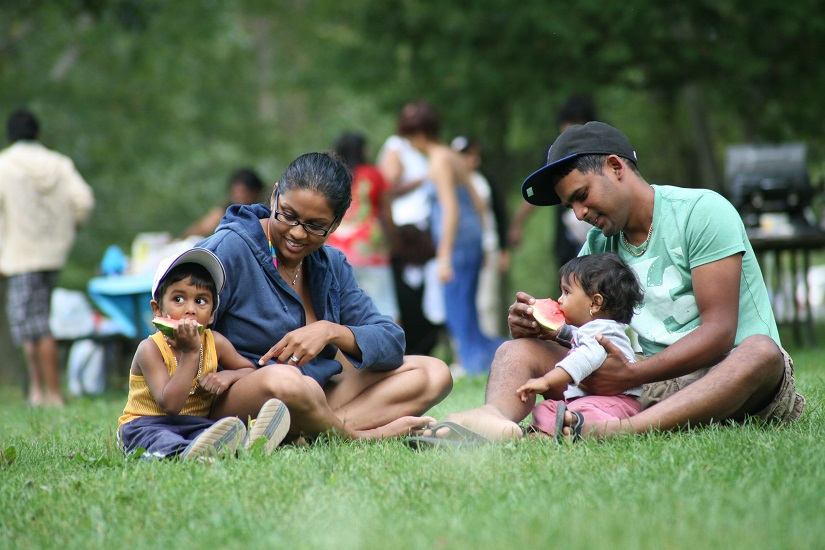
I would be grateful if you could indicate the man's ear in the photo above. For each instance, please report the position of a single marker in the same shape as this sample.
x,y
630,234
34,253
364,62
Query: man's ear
x,y
615,164
156,308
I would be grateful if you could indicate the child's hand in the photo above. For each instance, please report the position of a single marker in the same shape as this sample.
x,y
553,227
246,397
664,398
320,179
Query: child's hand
x,y
187,338
216,382
531,388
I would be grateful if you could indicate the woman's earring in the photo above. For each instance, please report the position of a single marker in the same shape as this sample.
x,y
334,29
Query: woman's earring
x,y
591,312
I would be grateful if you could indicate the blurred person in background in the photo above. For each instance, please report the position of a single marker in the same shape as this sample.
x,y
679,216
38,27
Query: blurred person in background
x,y
405,169
494,239
457,221
43,200
361,234
245,187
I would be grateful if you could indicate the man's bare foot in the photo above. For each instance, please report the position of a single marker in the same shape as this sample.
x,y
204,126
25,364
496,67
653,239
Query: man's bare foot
x,y
488,422
54,400
406,425
36,399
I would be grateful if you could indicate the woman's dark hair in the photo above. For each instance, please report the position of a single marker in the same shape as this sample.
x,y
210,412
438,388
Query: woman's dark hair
x,y
248,178
200,278
419,117
608,275
350,147
22,125
322,173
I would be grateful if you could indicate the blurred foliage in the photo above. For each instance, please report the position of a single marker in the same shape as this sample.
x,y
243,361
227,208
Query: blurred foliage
x,y
158,101
503,69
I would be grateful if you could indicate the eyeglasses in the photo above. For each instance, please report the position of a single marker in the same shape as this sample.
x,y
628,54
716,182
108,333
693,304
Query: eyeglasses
x,y
292,221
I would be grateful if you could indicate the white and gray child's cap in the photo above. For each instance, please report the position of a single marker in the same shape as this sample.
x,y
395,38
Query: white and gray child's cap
x,y
200,256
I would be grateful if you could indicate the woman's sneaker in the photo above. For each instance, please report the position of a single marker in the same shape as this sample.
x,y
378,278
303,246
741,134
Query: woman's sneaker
x,y
220,439
271,424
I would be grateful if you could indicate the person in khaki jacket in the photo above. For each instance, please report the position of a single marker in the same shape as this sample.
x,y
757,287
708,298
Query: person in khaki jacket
x,y
43,200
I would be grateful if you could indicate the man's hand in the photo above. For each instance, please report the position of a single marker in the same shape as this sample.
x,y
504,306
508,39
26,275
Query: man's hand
x,y
615,375
521,321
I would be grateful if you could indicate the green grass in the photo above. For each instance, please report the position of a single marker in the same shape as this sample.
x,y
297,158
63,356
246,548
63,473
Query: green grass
x,y
66,485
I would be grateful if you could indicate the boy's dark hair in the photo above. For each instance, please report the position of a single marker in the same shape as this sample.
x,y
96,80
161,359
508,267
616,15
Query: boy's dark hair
x,y
608,275
22,125
200,278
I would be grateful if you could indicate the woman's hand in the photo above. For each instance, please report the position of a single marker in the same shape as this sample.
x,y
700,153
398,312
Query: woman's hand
x,y
445,270
300,346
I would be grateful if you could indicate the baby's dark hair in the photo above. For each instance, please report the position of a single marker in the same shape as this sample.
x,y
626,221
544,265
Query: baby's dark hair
x,y
201,278
608,275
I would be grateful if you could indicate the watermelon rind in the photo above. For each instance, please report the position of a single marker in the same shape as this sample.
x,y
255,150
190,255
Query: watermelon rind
x,y
167,325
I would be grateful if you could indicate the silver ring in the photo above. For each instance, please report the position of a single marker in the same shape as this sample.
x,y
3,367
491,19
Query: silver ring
x,y
293,358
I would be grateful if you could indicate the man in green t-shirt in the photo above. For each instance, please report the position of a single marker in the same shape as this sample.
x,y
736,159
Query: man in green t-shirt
x,y
706,328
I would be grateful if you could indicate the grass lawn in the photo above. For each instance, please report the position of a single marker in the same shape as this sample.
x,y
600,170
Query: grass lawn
x,y
66,485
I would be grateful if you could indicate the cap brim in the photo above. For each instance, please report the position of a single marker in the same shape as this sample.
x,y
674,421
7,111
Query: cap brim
x,y
537,188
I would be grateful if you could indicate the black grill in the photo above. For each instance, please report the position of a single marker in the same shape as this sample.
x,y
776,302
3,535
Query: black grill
x,y
768,178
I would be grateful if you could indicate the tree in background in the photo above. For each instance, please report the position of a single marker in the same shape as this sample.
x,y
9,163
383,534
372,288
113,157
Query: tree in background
x,y
157,100
706,71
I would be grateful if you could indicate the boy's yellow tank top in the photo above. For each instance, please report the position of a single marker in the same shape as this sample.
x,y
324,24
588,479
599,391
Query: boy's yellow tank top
x,y
141,402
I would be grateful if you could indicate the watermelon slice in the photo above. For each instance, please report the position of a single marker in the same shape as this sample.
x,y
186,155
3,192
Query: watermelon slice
x,y
547,313
167,325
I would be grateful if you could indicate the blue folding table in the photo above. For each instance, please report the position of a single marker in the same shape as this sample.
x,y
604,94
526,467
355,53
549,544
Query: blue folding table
x,y
125,299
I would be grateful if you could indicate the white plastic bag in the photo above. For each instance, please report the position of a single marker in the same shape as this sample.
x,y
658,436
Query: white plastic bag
x,y
71,316
86,368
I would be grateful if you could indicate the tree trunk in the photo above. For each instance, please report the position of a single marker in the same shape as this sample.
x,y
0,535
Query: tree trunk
x,y
707,169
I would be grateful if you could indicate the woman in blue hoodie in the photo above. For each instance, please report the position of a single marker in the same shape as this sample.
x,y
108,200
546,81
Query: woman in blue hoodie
x,y
292,306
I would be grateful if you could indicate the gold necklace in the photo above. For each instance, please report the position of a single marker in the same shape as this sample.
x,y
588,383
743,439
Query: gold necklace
x,y
644,245
200,366
297,272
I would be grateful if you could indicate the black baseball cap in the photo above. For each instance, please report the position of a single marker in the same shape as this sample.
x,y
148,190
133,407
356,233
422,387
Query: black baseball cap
x,y
593,138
